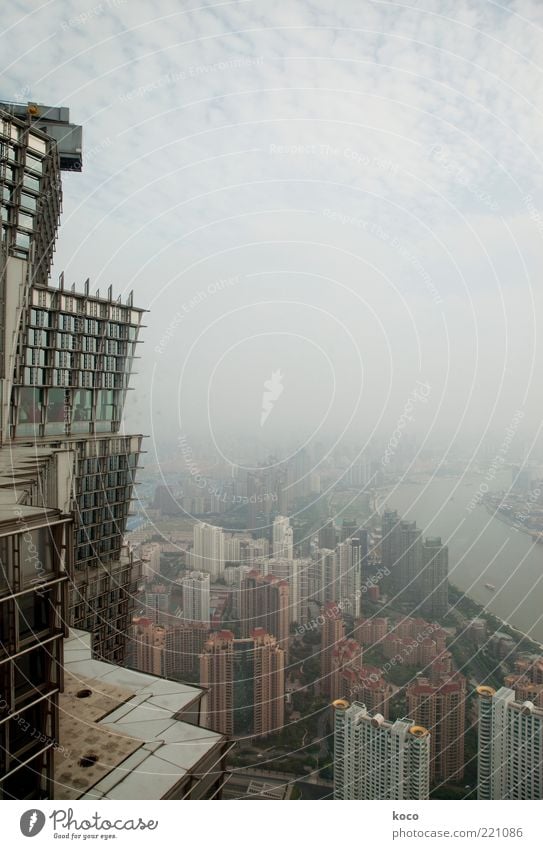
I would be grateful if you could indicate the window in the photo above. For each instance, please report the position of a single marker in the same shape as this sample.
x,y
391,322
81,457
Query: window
x,y
35,357
40,318
31,183
66,322
29,668
28,202
34,163
22,240
26,221
61,377
36,555
35,613
36,143
82,405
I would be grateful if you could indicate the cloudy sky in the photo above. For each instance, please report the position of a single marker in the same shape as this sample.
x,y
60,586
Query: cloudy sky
x,y
346,193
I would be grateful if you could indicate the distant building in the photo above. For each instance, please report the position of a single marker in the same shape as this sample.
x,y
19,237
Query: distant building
x,y
367,685
332,633
208,550
166,502
432,585
327,536
157,603
377,759
150,559
401,552
346,655
171,651
372,631
441,707
246,684
196,597
264,603
477,631
282,538
510,754
418,569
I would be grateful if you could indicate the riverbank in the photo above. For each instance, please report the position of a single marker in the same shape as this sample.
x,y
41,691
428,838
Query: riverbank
x,y
481,550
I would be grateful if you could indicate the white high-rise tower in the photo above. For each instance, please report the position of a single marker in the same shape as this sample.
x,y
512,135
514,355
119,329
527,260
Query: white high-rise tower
x,y
208,551
282,538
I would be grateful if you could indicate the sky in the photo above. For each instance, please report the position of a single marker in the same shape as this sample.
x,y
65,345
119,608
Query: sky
x,y
340,201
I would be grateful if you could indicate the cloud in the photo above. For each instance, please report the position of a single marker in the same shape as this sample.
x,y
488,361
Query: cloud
x,y
423,119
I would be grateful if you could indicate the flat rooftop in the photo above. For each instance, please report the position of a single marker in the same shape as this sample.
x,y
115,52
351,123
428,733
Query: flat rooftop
x,y
126,735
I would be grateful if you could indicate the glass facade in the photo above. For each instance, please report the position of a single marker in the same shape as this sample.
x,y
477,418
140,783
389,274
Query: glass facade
x,y
33,577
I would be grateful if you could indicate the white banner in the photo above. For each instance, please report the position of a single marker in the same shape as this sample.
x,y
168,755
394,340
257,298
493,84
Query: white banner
x,y
173,824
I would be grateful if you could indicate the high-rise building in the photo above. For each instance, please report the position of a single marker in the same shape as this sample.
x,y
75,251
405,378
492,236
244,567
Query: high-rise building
x,y
208,551
170,651
183,646
402,556
149,640
418,569
150,560
332,633
36,558
378,759
196,597
157,603
65,363
527,680
328,535
441,707
351,558
246,684
166,502
367,685
264,603
282,538
329,570
510,757
297,574
432,585
346,655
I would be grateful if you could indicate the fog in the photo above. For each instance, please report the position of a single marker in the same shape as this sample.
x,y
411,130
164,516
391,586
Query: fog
x,y
345,196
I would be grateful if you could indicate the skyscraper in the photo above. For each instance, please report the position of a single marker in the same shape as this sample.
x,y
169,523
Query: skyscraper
x,y
401,551
328,535
510,746
378,759
171,651
65,363
432,583
264,603
282,538
36,558
157,603
346,655
208,551
332,633
196,597
246,683
441,707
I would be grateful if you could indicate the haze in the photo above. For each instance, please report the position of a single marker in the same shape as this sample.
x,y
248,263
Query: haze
x,y
347,194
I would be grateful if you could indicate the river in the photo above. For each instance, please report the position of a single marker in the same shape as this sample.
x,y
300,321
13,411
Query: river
x,y
482,549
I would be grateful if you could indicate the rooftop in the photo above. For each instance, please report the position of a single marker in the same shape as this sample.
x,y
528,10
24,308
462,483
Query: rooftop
x,y
127,735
